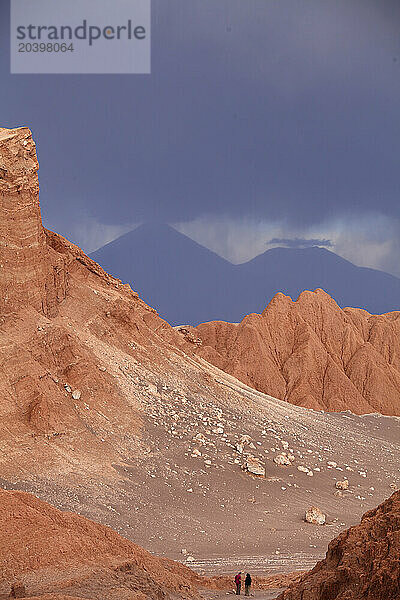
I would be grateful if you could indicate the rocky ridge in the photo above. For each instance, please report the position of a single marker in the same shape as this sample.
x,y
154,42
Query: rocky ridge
x,y
311,353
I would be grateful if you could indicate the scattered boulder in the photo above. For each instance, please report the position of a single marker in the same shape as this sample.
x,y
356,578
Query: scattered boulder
x,y
153,389
315,516
254,466
76,394
189,334
282,459
200,438
244,440
342,485
302,469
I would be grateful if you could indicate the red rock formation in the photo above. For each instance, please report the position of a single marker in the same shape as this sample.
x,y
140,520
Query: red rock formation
x,y
42,274
44,550
312,354
30,272
362,563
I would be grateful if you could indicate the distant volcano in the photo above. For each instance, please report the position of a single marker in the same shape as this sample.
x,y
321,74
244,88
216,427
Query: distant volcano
x,y
187,283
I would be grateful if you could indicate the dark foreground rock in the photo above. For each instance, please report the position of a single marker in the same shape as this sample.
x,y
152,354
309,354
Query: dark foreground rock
x,y
362,563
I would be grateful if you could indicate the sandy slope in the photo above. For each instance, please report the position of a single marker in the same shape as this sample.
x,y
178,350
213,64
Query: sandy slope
x,y
44,550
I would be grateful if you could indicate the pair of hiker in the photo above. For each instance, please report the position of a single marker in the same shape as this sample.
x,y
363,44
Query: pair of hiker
x,y
247,584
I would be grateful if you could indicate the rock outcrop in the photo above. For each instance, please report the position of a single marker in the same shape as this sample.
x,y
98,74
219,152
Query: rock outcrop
x,y
31,273
312,353
41,273
18,590
362,563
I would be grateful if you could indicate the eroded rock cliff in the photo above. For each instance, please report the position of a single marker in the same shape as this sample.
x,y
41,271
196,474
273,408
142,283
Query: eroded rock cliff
x,y
30,272
312,353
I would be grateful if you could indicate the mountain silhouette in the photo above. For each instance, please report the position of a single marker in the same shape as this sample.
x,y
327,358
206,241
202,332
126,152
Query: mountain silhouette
x,y
182,280
189,284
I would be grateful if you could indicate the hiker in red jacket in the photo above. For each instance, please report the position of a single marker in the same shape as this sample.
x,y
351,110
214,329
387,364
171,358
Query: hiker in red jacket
x,y
238,581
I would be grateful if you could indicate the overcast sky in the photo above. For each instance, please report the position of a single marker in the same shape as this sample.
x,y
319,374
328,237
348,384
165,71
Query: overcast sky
x,y
264,122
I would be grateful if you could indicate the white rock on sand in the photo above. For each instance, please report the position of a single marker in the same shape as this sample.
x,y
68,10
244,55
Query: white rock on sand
x,y
315,516
342,485
282,460
303,469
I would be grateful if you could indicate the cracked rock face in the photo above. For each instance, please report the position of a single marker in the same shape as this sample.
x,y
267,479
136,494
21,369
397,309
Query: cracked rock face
x,y
312,353
361,563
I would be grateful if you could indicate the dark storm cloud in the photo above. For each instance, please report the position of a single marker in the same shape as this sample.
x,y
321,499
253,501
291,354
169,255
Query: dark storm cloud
x,y
272,110
299,242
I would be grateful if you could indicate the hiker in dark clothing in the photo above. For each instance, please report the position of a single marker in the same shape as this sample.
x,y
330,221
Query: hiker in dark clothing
x,y
247,584
238,581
